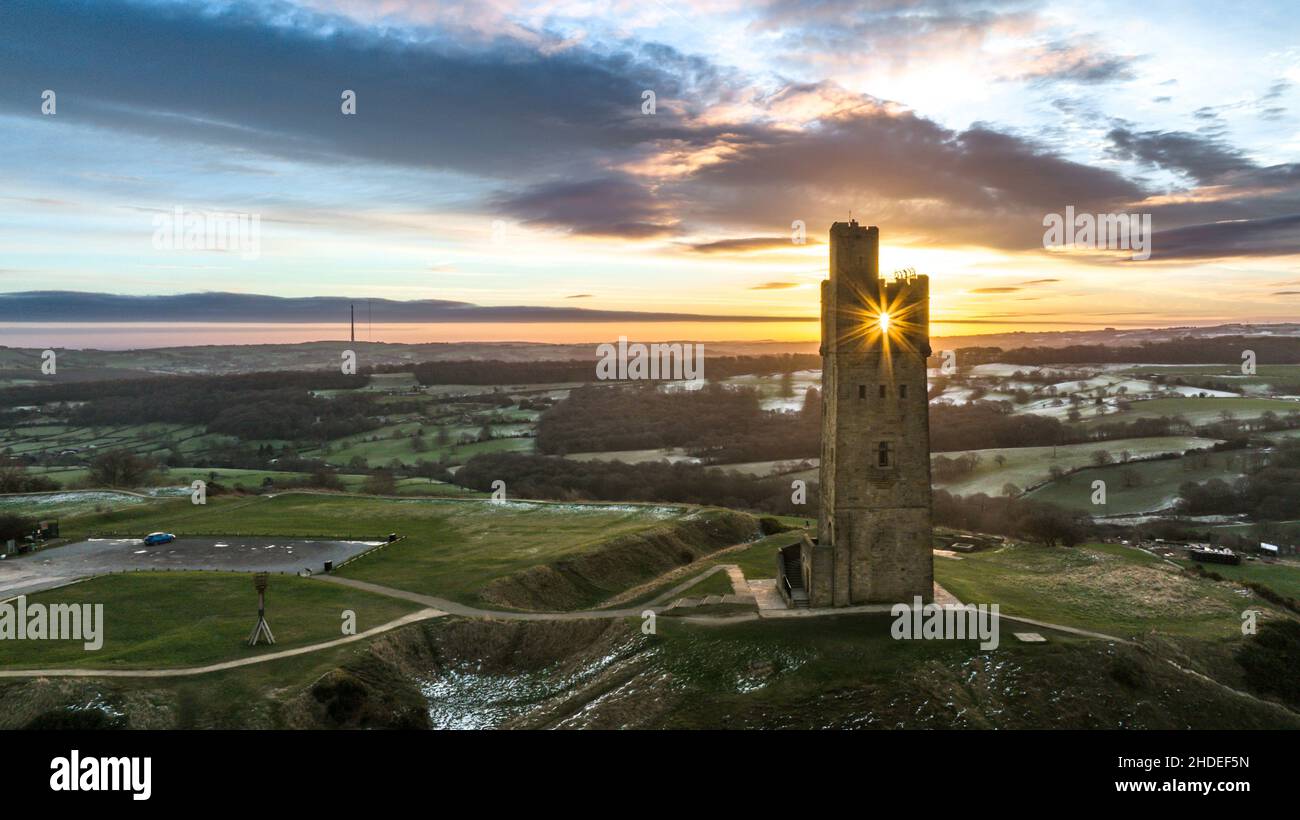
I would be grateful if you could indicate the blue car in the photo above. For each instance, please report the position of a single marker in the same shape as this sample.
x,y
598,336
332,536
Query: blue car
x,y
159,538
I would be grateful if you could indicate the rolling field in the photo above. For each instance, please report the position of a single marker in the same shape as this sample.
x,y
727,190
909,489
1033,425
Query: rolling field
x,y
1105,587
1027,466
1281,577
384,450
1196,410
1156,487
180,478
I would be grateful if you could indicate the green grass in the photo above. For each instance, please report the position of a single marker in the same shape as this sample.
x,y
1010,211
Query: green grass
x,y
719,583
1027,466
379,453
1157,486
451,548
1195,410
180,619
1103,587
1283,578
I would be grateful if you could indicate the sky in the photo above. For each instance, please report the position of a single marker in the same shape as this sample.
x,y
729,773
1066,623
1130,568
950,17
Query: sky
x,y
502,153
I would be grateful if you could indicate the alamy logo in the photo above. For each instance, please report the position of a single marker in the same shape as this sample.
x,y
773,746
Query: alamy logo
x,y
675,361
75,773
932,622
208,231
20,621
1128,232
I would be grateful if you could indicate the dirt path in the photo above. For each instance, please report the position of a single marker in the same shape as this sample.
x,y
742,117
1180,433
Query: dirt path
x,y
453,608
422,615
438,607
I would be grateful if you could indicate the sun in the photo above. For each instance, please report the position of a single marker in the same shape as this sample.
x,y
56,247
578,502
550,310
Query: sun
x,y
883,322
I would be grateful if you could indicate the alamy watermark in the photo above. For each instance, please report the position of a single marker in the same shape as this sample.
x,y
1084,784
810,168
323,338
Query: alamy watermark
x,y
1128,232
20,621
950,622
183,229
637,361
102,774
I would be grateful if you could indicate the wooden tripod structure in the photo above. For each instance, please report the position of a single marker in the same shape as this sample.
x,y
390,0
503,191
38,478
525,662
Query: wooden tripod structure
x,y
263,629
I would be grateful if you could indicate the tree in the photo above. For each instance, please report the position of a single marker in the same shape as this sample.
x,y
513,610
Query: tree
x,y
14,478
380,483
15,526
787,385
119,468
1000,459
1101,457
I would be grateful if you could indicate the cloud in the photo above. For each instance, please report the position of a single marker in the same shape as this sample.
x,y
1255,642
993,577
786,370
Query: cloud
x,y
976,186
268,77
1276,236
609,206
73,306
994,290
1203,158
744,243
775,286
1076,61
886,33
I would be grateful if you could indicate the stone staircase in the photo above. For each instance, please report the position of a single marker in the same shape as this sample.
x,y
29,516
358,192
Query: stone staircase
x,y
794,574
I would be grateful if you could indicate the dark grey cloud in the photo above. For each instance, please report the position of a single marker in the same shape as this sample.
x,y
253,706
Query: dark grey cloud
x,y
1080,63
1202,158
1206,159
237,75
608,206
1273,236
976,185
74,306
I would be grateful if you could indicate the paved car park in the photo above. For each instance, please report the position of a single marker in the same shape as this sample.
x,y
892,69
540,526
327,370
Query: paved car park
x,y
25,574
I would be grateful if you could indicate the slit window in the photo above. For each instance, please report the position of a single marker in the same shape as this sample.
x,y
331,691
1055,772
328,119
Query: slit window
x,y
862,391
902,391
884,391
884,454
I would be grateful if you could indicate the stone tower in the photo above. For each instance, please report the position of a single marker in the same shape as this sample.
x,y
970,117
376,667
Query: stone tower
x,y
873,543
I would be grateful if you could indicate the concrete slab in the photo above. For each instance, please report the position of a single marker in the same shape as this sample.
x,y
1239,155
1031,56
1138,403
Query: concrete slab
x,y
765,595
98,556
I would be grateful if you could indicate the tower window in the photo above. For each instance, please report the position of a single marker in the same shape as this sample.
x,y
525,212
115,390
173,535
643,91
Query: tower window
x,y
884,391
885,454
862,391
902,391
